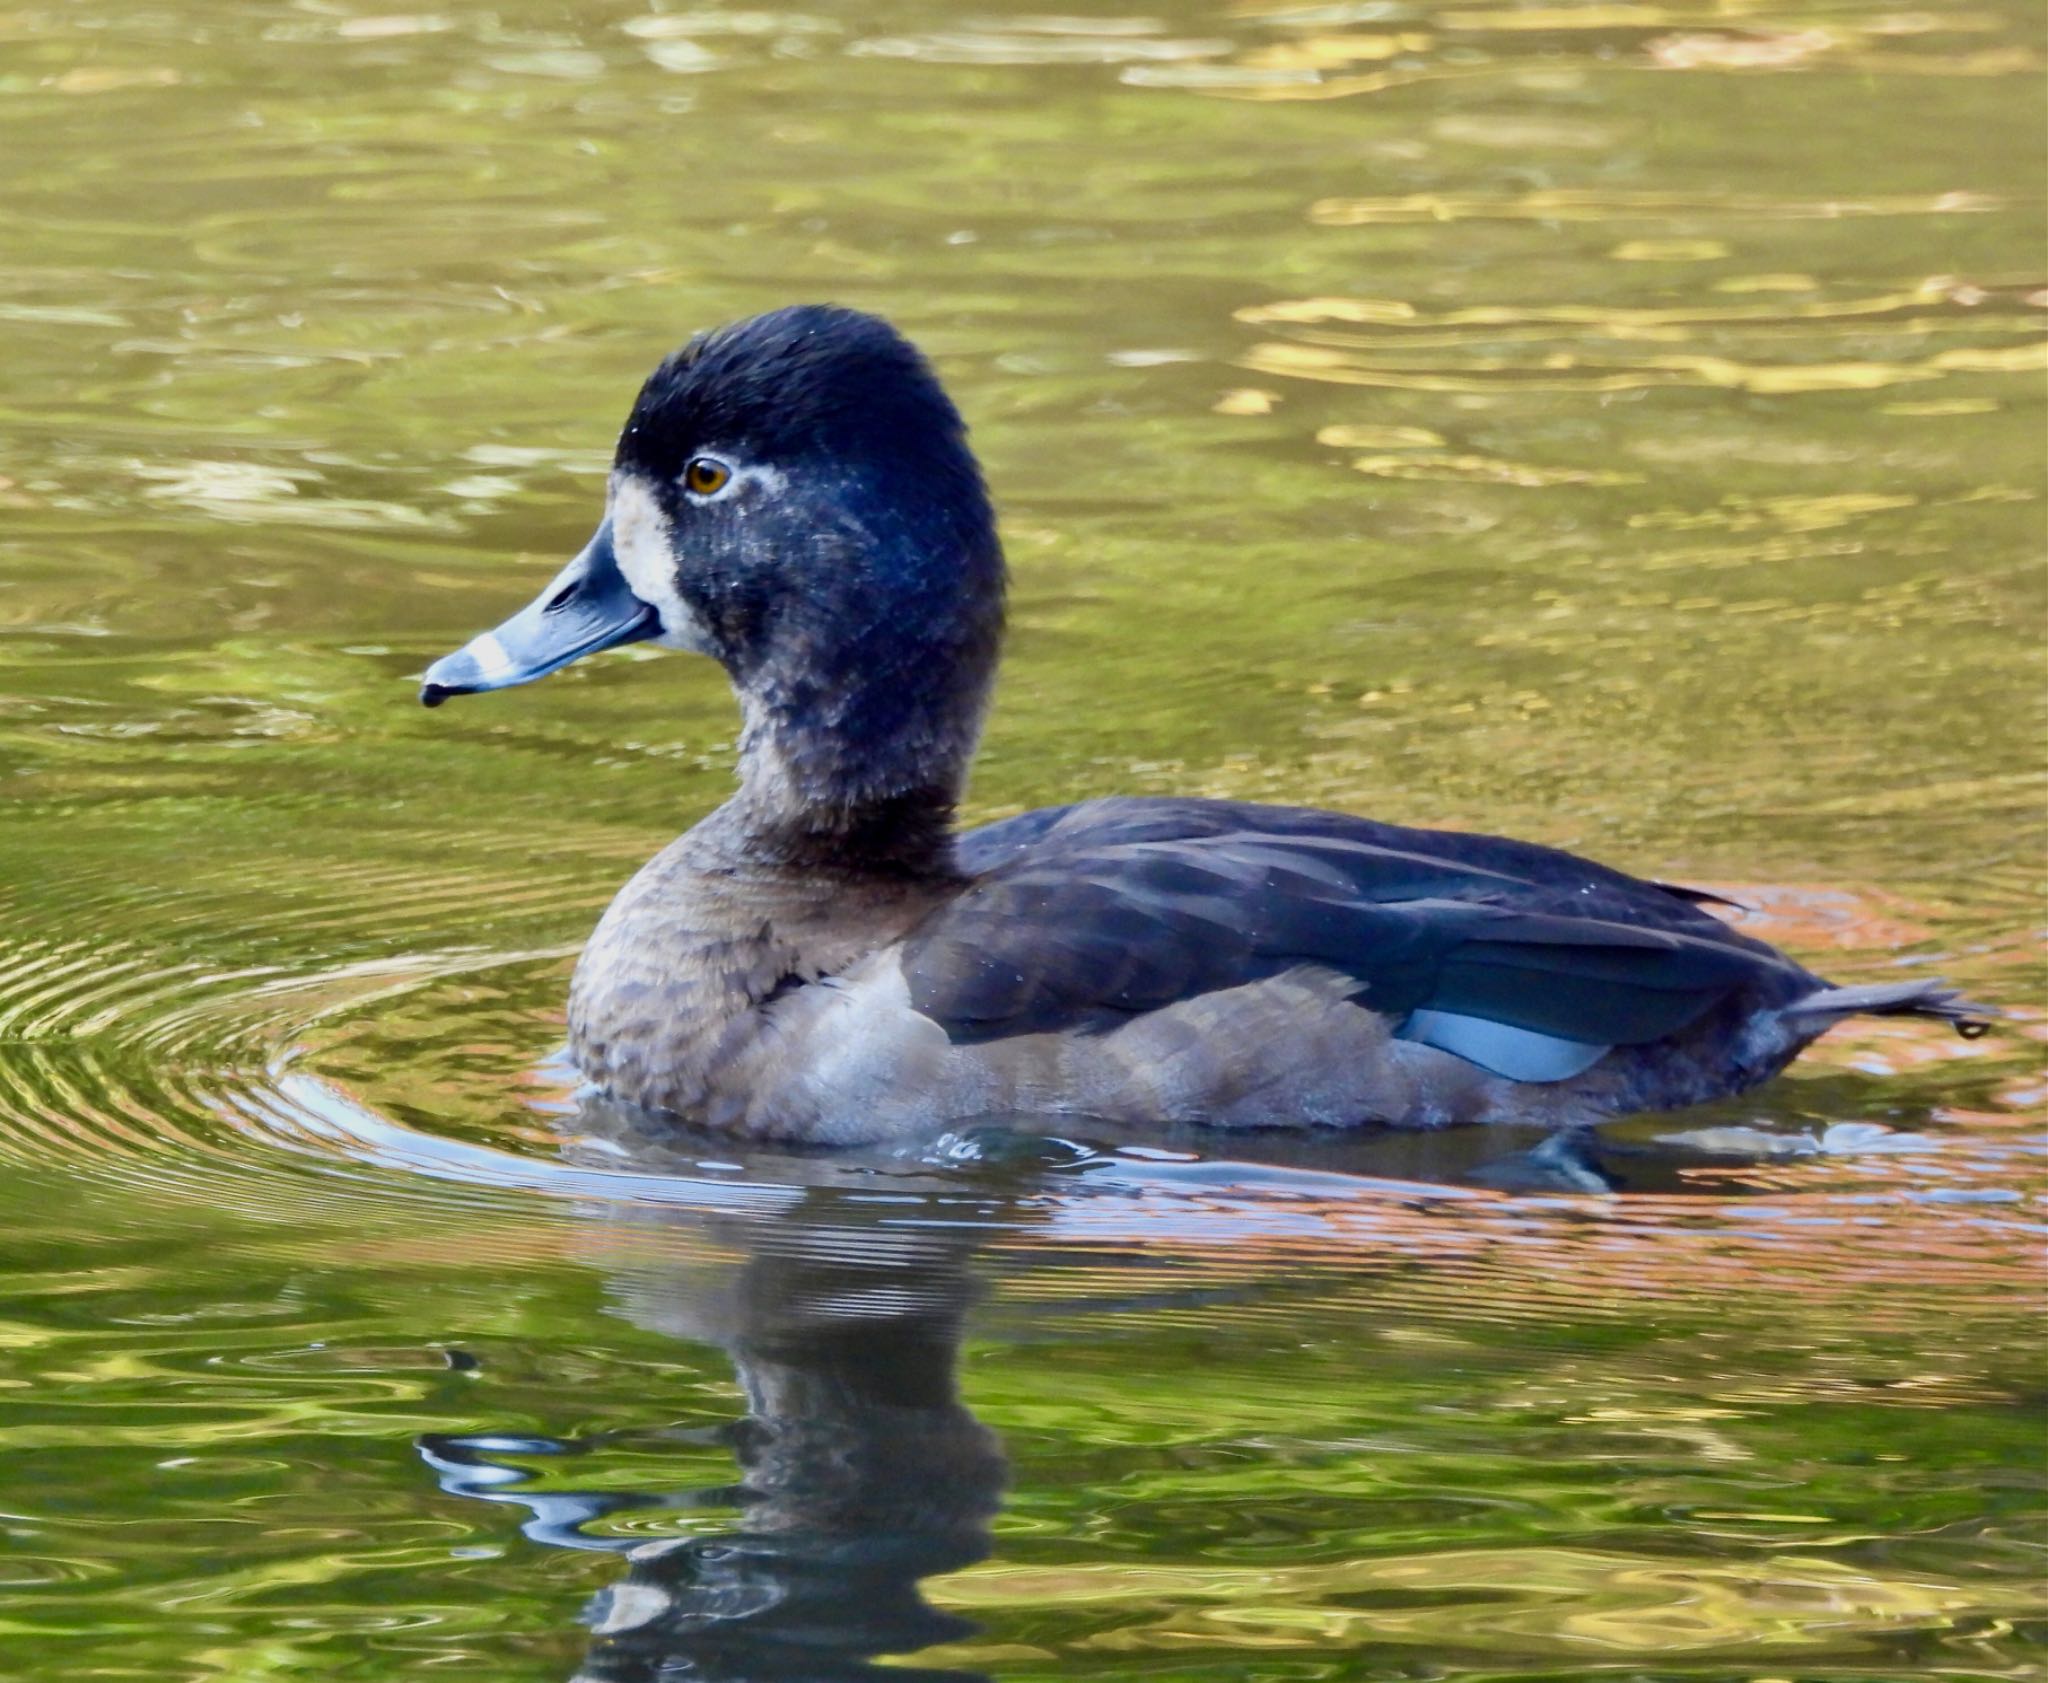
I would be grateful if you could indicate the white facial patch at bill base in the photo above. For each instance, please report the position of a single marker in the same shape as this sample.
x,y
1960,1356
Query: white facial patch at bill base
x,y
644,543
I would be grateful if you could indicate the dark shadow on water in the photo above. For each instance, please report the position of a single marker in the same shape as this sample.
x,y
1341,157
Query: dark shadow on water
x,y
860,1471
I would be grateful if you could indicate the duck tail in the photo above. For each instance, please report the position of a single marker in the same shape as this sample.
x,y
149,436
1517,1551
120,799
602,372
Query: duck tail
x,y
1931,998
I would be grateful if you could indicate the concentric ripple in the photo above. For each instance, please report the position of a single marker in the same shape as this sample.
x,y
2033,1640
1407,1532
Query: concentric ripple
x,y
1616,425
426,1081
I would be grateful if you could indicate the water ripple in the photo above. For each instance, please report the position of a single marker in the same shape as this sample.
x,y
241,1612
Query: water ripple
x,y
260,1090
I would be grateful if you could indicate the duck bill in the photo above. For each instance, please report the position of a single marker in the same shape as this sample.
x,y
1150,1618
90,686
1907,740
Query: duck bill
x,y
586,607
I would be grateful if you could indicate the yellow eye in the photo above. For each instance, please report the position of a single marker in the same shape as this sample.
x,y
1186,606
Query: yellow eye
x,y
706,477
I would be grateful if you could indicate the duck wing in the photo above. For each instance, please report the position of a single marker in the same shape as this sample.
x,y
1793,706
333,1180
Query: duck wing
x,y
1523,959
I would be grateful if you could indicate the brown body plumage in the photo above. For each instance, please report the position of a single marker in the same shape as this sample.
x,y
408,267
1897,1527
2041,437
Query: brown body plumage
x,y
822,959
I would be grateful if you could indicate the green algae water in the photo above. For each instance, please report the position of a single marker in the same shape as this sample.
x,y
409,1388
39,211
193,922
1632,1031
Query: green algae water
x,y
1616,425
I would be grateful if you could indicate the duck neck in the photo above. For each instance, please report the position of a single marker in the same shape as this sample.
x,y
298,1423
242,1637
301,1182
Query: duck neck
x,y
813,798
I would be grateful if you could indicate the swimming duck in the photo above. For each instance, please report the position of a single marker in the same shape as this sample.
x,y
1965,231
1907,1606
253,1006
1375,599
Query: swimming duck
x,y
825,958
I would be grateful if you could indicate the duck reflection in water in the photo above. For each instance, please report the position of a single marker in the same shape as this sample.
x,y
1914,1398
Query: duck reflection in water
x,y
861,1471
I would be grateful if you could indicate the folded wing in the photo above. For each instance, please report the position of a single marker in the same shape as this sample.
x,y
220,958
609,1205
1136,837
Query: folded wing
x,y
1524,960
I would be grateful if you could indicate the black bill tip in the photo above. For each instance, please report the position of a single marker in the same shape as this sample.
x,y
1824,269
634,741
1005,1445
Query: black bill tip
x,y
432,695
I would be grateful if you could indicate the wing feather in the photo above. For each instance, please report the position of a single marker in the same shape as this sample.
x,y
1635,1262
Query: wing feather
x,y
1078,917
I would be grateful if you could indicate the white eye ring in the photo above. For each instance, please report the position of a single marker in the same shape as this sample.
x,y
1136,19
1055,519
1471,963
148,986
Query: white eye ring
x,y
707,478
765,481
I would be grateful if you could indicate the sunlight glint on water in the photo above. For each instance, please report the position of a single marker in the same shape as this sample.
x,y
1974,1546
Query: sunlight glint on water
x,y
1618,426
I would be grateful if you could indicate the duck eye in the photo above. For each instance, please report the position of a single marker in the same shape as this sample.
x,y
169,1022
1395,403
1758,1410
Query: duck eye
x,y
706,477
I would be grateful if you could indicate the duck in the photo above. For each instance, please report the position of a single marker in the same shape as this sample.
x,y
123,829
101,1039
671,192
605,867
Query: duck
x,y
829,959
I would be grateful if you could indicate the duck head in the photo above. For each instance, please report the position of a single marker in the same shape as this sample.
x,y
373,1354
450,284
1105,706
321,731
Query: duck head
x,y
793,495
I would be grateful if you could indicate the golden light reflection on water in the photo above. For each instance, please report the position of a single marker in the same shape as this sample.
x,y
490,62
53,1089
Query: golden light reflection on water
x,y
1585,371
1576,204
1614,424
1316,63
1591,1603
1674,322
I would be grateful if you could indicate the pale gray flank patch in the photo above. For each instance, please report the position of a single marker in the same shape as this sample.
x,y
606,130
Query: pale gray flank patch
x,y
1517,1053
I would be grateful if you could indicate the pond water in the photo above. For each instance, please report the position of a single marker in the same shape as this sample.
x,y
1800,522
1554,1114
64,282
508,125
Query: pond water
x,y
1615,424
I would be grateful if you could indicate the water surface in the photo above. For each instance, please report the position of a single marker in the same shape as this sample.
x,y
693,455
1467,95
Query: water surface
x,y
1618,425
